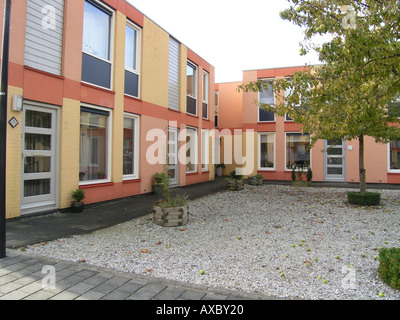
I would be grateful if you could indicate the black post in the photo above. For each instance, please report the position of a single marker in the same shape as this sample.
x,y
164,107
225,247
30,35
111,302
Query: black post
x,y
3,125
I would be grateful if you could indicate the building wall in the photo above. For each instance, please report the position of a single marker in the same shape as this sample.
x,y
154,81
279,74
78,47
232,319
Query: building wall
x,y
241,108
67,93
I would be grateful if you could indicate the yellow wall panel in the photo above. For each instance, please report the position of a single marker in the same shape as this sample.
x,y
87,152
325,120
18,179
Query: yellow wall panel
x,y
13,161
155,60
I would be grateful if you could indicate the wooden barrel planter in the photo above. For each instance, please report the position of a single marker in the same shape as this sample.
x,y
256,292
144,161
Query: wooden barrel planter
x,y
171,217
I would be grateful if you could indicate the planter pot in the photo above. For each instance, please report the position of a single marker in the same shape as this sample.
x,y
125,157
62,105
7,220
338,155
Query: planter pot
x,y
157,189
171,217
77,207
219,171
255,181
301,183
235,184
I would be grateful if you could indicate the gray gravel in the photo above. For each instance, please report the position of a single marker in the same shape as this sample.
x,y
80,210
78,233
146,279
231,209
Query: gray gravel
x,y
282,241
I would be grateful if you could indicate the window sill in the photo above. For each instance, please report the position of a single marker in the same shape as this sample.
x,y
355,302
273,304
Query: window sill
x,y
394,172
96,185
132,98
93,86
44,72
192,173
192,115
131,181
266,170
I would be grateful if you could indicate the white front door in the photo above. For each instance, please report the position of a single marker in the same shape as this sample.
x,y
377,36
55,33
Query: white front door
x,y
173,156
39,155
335,152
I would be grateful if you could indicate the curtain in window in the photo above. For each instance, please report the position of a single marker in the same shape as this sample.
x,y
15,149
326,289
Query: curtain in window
x,y
96,31
93,146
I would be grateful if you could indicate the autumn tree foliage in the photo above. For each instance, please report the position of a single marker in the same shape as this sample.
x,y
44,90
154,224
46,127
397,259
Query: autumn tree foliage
x,y
354,92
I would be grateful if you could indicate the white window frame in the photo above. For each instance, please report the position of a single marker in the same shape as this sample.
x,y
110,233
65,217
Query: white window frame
x,y
193,147
205,149
206,91
109,138
388,161
259,151
136,71
136,147
194,66
111,46
259,99
286,133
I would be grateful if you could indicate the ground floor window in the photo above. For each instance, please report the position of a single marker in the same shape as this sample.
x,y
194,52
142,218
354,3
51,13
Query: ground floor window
x,y
94,145
204,149
131,147
395,155
297,151
266,151
191,150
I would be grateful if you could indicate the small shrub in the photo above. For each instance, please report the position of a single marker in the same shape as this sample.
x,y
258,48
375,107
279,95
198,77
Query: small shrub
x,y
389,266
294,174
177,201
78,195
235,176
365,199
309,174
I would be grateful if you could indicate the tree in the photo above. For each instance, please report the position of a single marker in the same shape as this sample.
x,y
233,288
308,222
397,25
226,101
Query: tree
x,y
353,93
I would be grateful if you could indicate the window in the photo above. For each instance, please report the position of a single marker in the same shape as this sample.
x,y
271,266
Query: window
x,y
394,149
216,108
266,97
94,144
96,47
191,150
297,151
205,95
131,147
132,49
205,149
191,75
266,151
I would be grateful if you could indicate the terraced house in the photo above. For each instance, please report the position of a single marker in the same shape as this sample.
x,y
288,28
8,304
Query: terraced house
x,y
88,79
279,145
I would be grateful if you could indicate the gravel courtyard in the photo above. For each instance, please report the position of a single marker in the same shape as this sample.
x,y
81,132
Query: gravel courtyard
x,y
283,241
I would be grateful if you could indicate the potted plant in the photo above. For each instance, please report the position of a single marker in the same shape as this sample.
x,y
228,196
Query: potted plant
x,y
81,175
235,181
220,168
77,205
255,180
170,211
297,177
159,179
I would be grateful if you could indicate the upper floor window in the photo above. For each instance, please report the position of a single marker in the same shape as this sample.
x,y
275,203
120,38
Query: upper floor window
x,y
266,96
132,65
205,94
96,47
191,75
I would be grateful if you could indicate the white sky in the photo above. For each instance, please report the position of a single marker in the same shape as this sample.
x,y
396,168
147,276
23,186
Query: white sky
x,y
232,35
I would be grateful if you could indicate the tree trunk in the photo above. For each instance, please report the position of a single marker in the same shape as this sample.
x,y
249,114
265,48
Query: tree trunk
x,y
363,185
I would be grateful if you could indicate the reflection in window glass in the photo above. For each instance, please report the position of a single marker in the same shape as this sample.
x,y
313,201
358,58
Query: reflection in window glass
x,y
129,126
130,48
93,146
395,155
297,151
267,153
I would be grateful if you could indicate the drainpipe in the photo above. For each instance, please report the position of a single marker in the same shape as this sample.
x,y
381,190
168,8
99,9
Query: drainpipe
x,y
3,125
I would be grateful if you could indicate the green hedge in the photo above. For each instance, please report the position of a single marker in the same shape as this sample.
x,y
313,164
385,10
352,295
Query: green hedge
x,y
365,199
389,266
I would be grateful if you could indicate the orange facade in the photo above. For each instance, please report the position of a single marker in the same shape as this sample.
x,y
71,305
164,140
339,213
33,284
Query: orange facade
x,y
89,148
278,145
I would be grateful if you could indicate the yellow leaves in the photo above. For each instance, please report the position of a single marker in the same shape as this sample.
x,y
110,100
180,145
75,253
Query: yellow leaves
x,y
145,251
